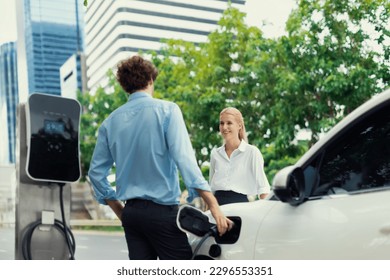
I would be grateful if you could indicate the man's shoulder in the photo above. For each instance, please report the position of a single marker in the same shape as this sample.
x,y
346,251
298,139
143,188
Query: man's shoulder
x,y
165,106
166,103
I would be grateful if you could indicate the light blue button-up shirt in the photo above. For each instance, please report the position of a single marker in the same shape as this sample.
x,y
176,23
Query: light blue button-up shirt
x,y
147,141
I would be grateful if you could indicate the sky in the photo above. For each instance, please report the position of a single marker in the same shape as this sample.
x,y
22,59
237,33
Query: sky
x,y
269,15
272,13
7,21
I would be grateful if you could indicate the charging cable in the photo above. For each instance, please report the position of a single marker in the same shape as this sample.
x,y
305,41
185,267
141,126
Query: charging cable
x,y
69,241
60,226
212,232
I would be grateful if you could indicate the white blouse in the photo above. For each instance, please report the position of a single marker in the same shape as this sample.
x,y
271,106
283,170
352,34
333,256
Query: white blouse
x,y
243,172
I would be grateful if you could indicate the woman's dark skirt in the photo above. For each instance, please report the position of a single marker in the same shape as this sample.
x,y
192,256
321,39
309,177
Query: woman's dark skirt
x,y
226,197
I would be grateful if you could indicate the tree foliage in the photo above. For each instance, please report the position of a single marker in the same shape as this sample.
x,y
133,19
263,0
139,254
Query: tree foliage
x,y
205,78
334,57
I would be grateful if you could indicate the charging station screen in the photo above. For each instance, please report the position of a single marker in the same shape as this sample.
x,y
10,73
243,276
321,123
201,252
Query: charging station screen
x,y
53,152
54,127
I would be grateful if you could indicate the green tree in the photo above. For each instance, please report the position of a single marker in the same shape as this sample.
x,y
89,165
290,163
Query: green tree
x,y
333,59
205,78
309,79
237,67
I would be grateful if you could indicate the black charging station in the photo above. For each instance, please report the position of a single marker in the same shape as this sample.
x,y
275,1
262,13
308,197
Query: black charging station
x,y
48,161
53,138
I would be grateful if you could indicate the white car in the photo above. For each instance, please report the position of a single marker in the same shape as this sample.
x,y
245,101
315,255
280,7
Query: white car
x,y
333,204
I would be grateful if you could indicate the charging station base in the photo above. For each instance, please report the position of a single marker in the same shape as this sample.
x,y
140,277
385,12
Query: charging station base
x,y
32,198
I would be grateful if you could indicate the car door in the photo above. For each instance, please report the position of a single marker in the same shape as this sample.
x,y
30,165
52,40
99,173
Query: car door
x,y
346,210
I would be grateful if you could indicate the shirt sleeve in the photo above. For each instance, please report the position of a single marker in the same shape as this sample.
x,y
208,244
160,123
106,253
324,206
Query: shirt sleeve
x,y
101,164
261,178
181,150
212,167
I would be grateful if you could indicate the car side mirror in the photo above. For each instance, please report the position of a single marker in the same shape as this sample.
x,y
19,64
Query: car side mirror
x,y
289,185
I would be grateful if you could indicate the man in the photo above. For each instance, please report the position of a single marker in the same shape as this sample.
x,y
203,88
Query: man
x,y
147,141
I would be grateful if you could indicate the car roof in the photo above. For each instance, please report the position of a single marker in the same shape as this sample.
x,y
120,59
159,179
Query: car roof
x,y
375,101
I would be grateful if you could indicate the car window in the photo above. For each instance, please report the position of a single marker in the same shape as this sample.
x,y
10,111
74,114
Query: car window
x,y
359,160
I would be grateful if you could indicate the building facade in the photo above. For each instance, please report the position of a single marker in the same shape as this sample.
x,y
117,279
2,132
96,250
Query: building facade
x,y
8,100
117,29
73,76
49,32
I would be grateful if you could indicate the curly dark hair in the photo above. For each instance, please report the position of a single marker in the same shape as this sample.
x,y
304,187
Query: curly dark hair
x,y
135,73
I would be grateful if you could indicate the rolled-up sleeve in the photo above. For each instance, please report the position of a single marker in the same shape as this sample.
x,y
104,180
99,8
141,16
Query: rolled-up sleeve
x,y
262,183
183,154
101,164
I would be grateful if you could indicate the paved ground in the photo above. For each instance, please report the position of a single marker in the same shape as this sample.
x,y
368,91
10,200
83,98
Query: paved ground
x,y
90,245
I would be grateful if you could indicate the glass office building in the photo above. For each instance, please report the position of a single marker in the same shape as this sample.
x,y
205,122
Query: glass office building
x,y
49,32
8,100
117,29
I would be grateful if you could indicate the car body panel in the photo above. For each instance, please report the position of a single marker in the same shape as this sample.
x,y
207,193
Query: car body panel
x,y
251,215
328,228
333,227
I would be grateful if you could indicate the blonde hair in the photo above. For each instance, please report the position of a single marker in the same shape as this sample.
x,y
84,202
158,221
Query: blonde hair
x,y
238,116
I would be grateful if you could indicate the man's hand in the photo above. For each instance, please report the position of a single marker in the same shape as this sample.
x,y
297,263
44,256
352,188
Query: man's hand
x,y
223,223
117,207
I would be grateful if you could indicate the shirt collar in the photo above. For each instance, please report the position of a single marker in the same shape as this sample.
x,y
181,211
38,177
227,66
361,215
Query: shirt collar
x,y
139,94
242,147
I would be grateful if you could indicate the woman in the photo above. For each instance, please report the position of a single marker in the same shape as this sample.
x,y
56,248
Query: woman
x,y
236,168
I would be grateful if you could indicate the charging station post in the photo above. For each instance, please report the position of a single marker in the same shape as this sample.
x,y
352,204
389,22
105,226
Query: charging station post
x,y
48,161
